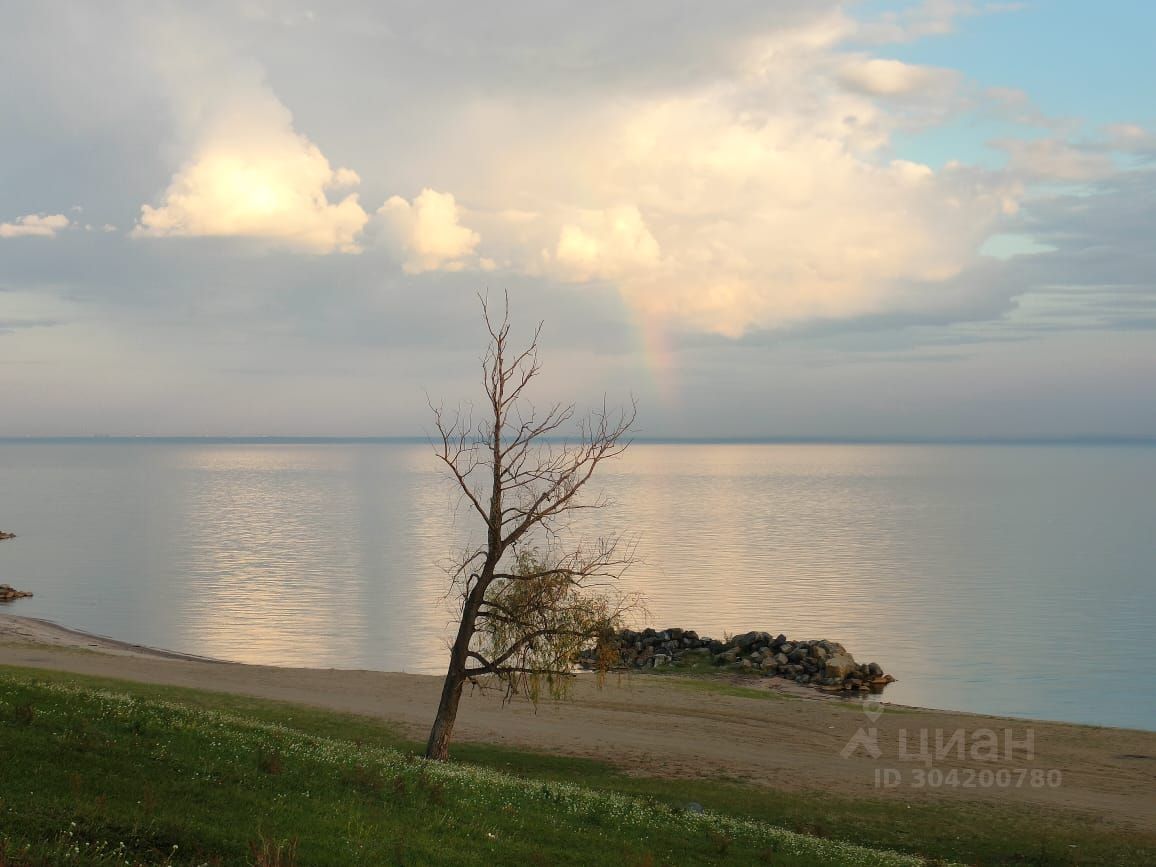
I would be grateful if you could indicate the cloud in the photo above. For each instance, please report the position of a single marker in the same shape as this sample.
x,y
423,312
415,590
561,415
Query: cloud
x,y
252,175
429,233
755,202
1056,159
753,188
1131,138
606,244
882,77
649,163
929,18
34,226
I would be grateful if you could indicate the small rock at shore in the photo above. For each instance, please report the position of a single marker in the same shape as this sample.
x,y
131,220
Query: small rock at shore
x,y
841,665
4,535
7,593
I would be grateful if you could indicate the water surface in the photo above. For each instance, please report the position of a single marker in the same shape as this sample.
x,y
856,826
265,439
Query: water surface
x,y
999,579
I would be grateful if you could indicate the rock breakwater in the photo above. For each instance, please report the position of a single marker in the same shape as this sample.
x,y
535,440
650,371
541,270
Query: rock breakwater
x,y
824,664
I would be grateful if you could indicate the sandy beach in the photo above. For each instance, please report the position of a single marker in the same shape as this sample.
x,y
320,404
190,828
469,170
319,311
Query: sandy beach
x,y
663,726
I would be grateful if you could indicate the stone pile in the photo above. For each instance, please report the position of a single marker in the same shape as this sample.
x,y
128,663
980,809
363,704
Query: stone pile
x,y
7,593
824,664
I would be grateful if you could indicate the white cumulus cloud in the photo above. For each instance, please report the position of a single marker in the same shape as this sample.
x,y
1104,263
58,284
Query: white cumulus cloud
x,y
34,226
610,243
755,202
429,234
252,175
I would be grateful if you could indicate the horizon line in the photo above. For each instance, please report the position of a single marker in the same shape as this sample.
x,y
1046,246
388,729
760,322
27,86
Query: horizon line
x,y
883,439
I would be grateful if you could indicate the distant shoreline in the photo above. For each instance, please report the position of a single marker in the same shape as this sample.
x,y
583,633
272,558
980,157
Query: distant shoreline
x,y
1067,440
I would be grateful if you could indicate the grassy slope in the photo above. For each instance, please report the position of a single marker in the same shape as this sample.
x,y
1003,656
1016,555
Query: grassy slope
x,y
108,778
152,775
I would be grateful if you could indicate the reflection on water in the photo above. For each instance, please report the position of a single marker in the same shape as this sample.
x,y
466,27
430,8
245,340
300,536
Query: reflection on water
x,y
1006,579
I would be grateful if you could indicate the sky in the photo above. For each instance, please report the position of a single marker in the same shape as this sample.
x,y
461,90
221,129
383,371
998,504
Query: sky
x,y
766,218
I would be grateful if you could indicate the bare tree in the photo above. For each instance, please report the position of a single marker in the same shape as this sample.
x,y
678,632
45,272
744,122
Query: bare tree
x,y
529,602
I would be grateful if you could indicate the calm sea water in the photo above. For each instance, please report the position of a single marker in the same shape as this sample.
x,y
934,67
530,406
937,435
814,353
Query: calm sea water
x,y
1015,580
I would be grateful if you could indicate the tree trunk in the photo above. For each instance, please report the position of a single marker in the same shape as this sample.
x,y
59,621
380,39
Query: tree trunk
x,y
438,746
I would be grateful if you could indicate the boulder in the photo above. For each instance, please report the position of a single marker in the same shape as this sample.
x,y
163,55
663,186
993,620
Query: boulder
x,y
840,665
7,593
746,639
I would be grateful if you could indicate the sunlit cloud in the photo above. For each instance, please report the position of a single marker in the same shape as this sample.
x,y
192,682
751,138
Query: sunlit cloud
x,y
252,175
884,77
34,226
429,234
753,203
608,244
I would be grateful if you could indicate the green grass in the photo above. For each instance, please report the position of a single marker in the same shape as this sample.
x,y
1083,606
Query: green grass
x,y
218,774
98,777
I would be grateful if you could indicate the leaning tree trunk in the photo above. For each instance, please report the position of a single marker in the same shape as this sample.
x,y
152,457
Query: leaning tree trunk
x,y
438,746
